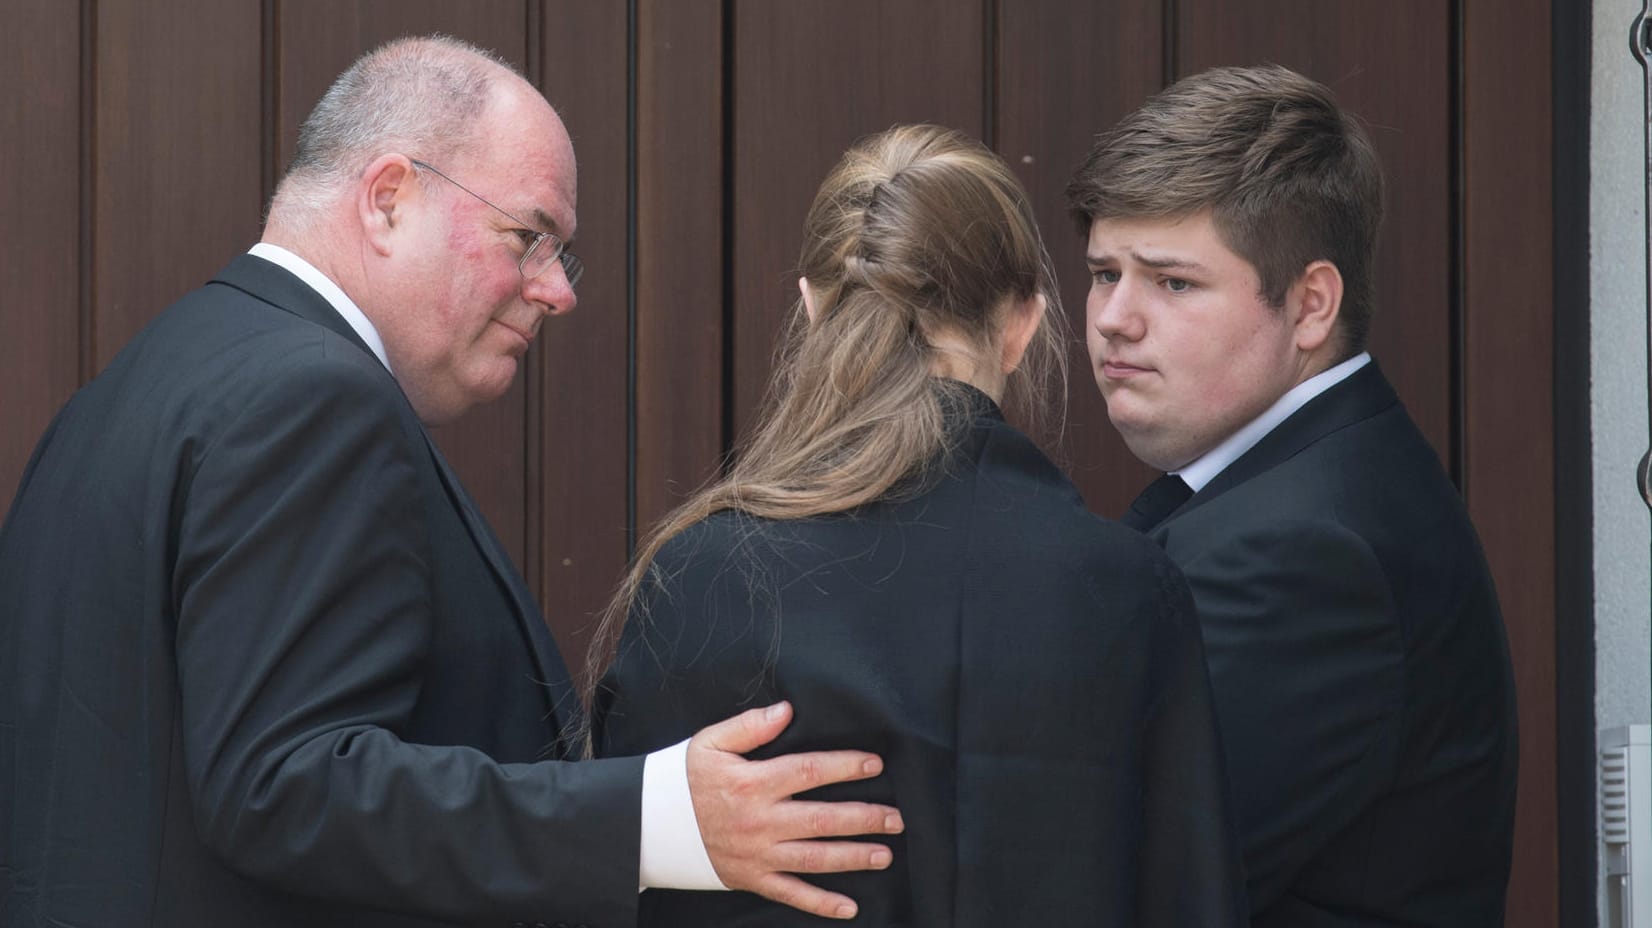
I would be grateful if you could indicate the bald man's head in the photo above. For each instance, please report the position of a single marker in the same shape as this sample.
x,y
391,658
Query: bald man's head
x,y
424,96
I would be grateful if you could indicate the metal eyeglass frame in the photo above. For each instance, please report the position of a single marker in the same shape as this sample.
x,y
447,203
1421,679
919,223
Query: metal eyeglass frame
x,y
571,263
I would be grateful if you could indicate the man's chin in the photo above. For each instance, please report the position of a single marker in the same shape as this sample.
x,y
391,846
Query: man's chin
x,y
443,410
1149,447
496,385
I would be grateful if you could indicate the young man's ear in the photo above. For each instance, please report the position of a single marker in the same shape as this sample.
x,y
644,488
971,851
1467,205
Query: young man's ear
x,y
387,187
1316,298
1019,329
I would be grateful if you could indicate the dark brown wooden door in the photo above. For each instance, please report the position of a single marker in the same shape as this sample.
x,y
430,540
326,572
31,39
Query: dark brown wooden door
x,y
148,139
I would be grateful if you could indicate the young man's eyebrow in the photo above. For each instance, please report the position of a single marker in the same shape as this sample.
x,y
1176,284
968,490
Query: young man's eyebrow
x,y
1167,262
1160,262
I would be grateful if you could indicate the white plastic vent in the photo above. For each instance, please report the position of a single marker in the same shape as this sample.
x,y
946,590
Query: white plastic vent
x,y
1626,824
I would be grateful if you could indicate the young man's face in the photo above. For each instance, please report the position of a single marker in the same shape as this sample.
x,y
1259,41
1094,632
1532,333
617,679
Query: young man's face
x,y
1183,346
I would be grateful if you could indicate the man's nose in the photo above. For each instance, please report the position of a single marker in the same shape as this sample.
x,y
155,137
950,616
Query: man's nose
x,y
551,290
1114,311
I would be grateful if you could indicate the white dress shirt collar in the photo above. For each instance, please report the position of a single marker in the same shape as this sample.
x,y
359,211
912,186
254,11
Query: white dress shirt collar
x,y
329,291
1204,469
673,854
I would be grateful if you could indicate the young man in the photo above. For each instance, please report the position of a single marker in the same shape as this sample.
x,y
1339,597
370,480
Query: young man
x,y
1356,650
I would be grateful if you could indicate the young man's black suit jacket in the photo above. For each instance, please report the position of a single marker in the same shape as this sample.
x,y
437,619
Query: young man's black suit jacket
x,y
265,664
1031,675
1360,668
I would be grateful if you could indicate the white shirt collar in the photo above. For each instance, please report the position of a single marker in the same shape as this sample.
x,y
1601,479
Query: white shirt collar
x,y
329,291
1205,468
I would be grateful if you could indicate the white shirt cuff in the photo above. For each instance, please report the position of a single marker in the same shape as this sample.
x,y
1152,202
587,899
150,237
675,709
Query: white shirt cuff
x,y
673,853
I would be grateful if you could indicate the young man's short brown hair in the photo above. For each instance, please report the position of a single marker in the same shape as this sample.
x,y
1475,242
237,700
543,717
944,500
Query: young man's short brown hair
x,y
1288,177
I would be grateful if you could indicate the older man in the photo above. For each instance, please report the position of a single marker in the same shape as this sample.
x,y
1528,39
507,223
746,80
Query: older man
x,y
1355,646
266,664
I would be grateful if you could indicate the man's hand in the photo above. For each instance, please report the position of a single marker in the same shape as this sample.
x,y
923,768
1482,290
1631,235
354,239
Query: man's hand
x,y
757,835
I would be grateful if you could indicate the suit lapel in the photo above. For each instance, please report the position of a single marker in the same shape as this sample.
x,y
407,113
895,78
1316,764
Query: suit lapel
x,y
561,701
1364,394
278,287
275,285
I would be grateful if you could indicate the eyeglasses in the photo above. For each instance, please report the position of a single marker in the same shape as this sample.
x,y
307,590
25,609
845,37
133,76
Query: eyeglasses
x,y
537,256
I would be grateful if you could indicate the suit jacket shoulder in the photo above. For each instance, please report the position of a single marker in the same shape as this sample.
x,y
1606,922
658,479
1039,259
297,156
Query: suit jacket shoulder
x,y
1360,668
240,554
1020,665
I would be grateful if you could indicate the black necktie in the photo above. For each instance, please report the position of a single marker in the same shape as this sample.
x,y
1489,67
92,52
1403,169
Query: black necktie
x,y
1160,499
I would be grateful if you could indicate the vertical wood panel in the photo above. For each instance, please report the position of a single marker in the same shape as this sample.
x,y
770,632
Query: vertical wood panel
x,y
1389,63
679,251
319,39
811,76
177,153
1508,391
582,435
40,221
174,191
1066,72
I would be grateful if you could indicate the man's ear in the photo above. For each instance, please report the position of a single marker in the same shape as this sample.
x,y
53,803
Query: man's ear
x,y
385,192
808,298
1317,299
1019,329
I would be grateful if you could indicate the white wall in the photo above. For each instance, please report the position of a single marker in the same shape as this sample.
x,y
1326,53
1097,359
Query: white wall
x,y
1618,413
1617,272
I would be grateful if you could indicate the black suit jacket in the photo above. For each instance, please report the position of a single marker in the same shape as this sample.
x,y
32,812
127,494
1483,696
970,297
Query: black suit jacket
x,y
1031,675
1360,668
264,662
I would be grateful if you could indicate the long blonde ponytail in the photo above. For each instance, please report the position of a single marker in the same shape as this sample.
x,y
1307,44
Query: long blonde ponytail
x,y
918,230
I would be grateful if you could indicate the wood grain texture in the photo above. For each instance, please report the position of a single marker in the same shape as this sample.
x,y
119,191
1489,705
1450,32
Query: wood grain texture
x,y
139,198
1390,64
318,39
1067,71
680,290
1508,392
175,155
811,77
40,225
582,432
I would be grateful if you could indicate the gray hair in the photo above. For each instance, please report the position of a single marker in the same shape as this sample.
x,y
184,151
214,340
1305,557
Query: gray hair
x,y
422,96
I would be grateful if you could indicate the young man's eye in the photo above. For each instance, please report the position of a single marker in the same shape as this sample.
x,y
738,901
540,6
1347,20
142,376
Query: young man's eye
x,y
1102,276
1177,285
